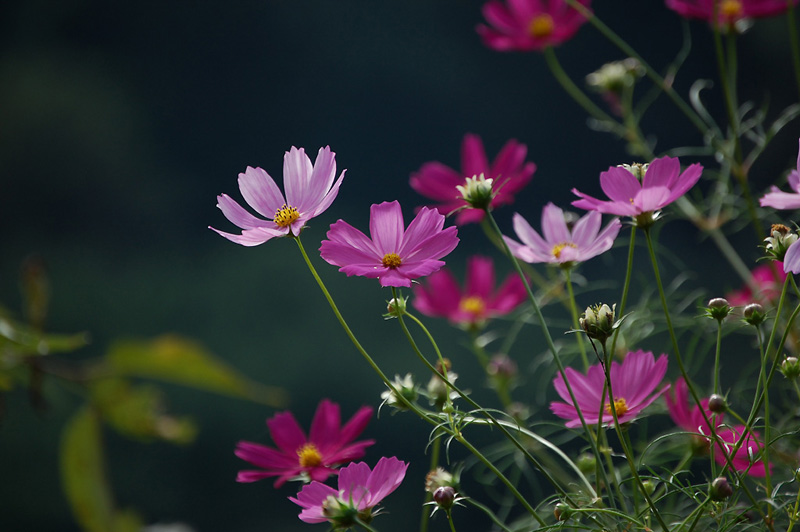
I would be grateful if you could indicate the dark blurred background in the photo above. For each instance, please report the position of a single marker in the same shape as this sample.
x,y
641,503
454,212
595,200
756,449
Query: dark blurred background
x,y
120,122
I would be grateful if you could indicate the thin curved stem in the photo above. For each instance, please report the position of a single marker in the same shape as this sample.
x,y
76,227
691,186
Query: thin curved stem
x,y
573,307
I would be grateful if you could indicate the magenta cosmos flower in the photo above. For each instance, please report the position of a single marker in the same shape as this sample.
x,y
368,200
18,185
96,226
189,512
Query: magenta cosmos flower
x,y
689,418
561,245
441,296
360,491
310,189
316,457
728,11
509,173
777,199
393,255
746,459
768,278
662,183
633,382
525,25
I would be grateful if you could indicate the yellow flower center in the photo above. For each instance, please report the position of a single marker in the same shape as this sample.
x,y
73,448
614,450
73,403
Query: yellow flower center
x,y
473,305
286,215
308,455
620,405
391,260
558,248
541,26
730,9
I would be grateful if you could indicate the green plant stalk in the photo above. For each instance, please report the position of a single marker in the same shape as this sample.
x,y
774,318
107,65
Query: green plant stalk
x,y
450,520
573,307
765,452
364,525
435,451
716,356
625,288
548,339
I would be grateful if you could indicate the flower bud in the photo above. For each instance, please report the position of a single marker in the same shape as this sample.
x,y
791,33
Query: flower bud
x,y
720,489
754,314
586,463
598,321
438,390
477,192
439,478
395,307
562,511
444,496
718,308
404,389
615,76
637,169
502,366
649,486
781,237
790,367
717,404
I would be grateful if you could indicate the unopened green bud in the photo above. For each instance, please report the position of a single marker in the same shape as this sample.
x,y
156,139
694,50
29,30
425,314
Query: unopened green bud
x,y
586,463
717,404
720,489
754,314
477,192
598,322
790,367
396,307
718,308
649,486
562,511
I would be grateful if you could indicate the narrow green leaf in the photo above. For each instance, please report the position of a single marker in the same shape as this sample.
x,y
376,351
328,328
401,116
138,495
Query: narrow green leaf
x,y
178,360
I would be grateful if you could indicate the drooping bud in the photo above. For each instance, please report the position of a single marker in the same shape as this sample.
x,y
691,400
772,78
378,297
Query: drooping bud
x,y
781,237
718,309
790,367
717,404
754,314
598,322
720,489
477,192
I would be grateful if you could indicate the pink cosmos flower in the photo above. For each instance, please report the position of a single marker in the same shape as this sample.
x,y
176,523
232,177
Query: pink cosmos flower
x,y
561,245
509,172
743,461
632,382
525,25
689,419
777,199
768,278
315,457
441,296
360,490
393,255
661,184
310,190
728,11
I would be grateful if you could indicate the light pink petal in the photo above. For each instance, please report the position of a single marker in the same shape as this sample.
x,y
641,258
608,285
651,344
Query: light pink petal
x,y
526,253
286,432
260,192
297,170
685,181
323,205
530,237
310,499
480,277
386,226
237,214
385,478
791,261
322,175
473,157
251,237
584,233
352,477
604,241
608,207
619,184
662,172
651,199
554,226
324,431
780,200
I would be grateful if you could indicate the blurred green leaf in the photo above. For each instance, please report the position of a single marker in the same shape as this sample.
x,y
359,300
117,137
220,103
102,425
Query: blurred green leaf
x,y
84,479
175,359
25,340
138,411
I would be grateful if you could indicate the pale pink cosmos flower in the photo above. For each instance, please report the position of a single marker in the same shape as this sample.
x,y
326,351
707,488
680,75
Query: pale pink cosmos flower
x,y
729,12
440,295
509,173
525,25
778,199
662,183
315,457
768,278
310,190
561,245
393,255
360,491
633,383
746,459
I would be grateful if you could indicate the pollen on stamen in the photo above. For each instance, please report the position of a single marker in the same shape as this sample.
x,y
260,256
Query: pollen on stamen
x,y
730,9
541,26
473,305
558,248
391,260
309,456
620,405
286,216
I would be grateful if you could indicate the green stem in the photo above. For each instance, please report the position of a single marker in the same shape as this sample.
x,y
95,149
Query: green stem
x,y
489,513
426,516
765,452
626,286
716,356
450,520
573,307
365,526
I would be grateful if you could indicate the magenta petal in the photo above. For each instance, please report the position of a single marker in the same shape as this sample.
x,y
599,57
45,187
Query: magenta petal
x,y
311,498
386,227
480,277
325,426
439,297
619,184
385,478
662,172
285,432
473,157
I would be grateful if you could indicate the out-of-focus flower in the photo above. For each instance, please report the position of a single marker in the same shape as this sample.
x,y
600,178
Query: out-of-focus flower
x,y
691,419
561,245
315,457
393,255
612,79
310,189
728,12
633,383
360,491
768,278
662,182
778,244
440,295
404,387
746,458
778,199
509,174
525,25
